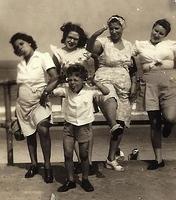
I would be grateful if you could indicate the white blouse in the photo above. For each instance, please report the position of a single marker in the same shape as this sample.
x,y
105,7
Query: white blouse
x,y
112,56
65,58
154,57
34,73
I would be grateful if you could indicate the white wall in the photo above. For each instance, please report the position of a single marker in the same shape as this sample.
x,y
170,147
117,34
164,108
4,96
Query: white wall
x,y
42,18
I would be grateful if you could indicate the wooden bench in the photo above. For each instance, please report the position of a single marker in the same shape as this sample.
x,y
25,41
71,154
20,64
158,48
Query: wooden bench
x,y
138,118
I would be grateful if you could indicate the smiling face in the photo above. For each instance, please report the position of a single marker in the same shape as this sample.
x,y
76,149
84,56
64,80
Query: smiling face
x,y
115,30
71,41
22,48
75,83
158,34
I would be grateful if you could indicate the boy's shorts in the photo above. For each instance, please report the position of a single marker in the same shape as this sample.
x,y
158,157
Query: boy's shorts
x,y
81,134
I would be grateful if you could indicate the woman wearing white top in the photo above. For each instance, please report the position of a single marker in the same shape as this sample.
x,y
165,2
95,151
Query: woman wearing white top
x,y
33,118
114,63
157,59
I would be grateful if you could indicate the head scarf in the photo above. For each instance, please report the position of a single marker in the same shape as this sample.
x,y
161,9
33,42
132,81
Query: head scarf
x,y
117,18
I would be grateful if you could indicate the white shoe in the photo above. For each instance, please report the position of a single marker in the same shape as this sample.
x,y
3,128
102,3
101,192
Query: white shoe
x,y
114,165
120,157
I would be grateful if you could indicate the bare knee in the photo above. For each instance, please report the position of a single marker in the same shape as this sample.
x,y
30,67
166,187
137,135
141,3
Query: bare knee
x,y
43,129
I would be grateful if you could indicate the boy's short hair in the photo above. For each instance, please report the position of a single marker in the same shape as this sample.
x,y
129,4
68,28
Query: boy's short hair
x,y
77,70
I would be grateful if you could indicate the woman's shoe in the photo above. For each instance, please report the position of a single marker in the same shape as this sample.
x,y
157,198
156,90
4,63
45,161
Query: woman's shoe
x,y
120,157
114,165
67,186
155,165
48,176
32,171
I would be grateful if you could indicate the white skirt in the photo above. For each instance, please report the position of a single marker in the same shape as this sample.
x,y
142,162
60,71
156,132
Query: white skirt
x,y
29,111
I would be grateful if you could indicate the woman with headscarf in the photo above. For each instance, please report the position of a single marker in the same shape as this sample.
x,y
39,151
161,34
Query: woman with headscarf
x,y
114,70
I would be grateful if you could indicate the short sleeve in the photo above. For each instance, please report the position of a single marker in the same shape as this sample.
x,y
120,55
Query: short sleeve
x,y
102,40
60,91
47,61
56,52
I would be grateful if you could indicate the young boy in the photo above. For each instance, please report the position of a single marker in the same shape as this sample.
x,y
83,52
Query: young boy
x,y
78,118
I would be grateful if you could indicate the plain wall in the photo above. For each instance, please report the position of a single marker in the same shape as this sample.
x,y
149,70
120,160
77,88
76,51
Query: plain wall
x,y
42,18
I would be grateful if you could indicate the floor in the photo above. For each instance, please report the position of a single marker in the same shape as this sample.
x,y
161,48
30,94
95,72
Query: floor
x,y
135,183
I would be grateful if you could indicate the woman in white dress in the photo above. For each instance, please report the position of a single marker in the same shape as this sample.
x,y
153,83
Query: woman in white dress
x,y
114,70
32,72
157,59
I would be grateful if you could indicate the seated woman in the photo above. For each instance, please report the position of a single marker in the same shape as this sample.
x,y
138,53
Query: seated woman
x,y
114,63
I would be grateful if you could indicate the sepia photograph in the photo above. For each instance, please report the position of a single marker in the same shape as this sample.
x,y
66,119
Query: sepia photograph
x,y
88,100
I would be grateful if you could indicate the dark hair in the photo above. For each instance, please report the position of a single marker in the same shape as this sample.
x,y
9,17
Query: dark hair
x,y
25,37
116,18
78,70
164,23
66,28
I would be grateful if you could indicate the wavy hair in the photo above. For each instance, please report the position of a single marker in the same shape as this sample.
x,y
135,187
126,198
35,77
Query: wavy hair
x,y
66,28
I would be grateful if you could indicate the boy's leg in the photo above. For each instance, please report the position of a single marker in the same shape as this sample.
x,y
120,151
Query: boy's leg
x,y
68,144
90,149
83,149
77,151
78,167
